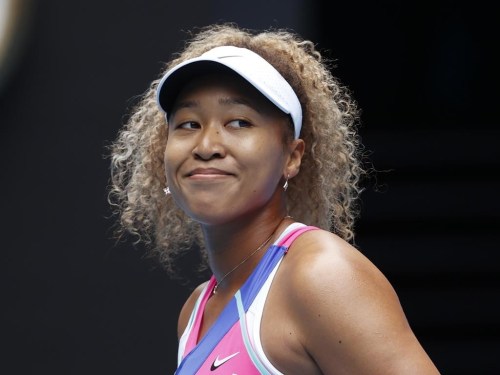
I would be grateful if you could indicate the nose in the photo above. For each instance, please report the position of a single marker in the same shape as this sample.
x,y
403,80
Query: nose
x,y
209,144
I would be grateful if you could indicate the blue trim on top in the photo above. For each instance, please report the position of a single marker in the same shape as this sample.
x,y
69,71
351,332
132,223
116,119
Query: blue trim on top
x,y
229,316
246,340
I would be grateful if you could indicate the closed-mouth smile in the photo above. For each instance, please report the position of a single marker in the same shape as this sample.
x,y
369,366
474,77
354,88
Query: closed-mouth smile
x,y
207,173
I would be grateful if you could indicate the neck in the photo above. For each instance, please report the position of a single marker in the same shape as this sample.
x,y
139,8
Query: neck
x,y
229,246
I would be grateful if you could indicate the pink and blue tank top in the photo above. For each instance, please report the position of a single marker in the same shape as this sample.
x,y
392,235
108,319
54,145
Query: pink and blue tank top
x,y
232,345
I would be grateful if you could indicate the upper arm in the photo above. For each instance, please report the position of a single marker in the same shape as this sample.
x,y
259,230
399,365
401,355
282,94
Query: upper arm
x,y
349,316
187,308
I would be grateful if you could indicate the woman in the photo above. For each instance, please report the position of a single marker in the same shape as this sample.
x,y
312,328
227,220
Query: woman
x,y
250,136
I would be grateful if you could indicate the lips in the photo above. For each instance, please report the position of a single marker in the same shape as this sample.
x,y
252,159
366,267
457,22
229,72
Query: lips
x,y
208,172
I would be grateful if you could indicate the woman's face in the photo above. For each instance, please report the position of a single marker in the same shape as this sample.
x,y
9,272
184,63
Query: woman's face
x,y
226,154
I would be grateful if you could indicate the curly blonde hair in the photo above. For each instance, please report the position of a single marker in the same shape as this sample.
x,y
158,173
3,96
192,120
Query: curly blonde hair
x,y
323,194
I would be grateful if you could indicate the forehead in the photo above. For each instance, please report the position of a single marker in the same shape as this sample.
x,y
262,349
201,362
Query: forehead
x,y
230,84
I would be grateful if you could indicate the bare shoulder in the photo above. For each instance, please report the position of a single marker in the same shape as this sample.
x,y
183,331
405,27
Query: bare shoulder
x,y
347,312
326,266
187,308
322,260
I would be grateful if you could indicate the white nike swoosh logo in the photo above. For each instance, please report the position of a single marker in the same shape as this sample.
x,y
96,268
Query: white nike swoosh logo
x,y
219,362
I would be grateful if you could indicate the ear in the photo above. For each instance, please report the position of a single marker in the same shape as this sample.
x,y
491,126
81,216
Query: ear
x,y
296,150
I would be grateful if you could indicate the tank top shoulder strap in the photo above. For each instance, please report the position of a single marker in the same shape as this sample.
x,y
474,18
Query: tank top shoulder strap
x,y
290,236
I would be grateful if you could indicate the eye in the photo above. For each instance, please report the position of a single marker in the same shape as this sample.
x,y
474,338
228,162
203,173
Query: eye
x,y
188,125
238,124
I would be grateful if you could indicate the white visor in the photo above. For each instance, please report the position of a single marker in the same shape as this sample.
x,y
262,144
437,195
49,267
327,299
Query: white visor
x,y
249,65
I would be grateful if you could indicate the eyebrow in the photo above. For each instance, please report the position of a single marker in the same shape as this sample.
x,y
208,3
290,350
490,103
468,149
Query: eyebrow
x,y
185,104
239,101
226,101
233,100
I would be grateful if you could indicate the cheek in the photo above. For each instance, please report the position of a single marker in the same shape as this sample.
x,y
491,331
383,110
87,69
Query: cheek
x,y
170,157
266,163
